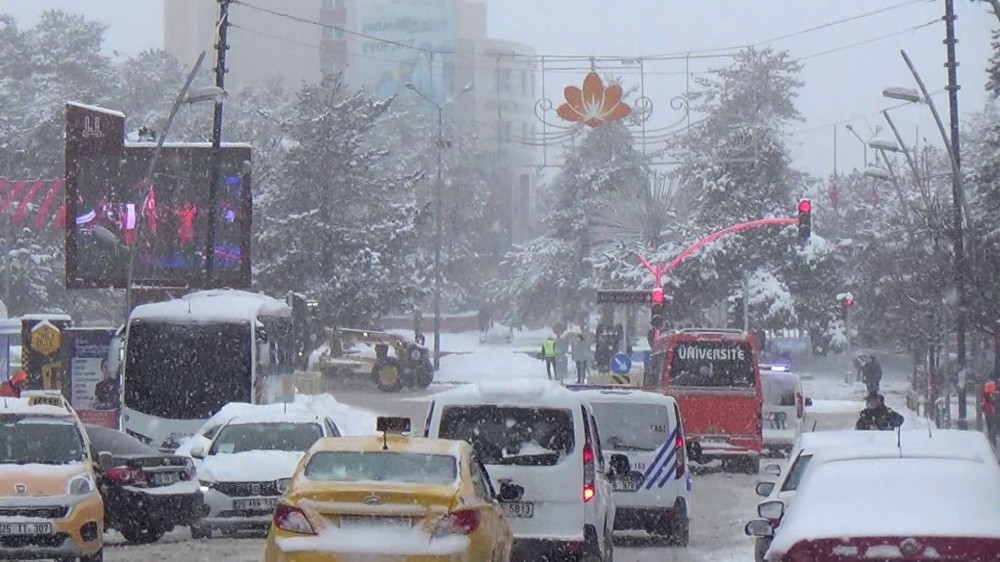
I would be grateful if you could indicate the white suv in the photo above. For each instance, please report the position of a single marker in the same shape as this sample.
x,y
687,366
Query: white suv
x,y
249,465
541,446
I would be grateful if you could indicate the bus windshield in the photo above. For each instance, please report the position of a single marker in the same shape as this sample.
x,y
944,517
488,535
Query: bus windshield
x,y
716,364
186,371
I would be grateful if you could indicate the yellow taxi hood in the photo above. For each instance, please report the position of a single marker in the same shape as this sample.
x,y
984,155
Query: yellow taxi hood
x,y
38,479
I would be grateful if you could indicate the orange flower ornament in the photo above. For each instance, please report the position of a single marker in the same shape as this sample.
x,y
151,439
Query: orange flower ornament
x,y
595,104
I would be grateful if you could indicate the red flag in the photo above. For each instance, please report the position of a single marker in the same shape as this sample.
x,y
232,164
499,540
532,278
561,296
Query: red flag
x,y
22,207
149,211
55,187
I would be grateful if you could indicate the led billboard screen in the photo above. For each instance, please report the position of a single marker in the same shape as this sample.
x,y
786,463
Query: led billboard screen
x,y
110,212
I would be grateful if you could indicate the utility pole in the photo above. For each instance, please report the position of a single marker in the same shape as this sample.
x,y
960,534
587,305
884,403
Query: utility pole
x,y
221,46
961,266
438,241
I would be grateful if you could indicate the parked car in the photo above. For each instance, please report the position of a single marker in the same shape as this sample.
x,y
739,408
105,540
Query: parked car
x,y
542,440
390,496
647,428
249,465
907,508
146,493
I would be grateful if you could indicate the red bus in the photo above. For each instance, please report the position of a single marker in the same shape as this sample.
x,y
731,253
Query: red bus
x,y
715,378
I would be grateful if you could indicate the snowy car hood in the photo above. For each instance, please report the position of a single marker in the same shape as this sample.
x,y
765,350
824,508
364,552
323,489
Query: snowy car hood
x,y
251,466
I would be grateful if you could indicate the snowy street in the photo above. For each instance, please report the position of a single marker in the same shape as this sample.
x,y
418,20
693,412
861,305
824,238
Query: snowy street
x,y
723,503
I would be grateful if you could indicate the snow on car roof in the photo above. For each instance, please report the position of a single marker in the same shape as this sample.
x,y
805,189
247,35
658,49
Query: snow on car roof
x,y
517,392
622,394
912,441
893,498
274,416
21,407
223,305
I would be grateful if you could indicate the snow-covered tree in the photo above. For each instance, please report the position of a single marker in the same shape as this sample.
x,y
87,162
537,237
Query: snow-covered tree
x,y
343,227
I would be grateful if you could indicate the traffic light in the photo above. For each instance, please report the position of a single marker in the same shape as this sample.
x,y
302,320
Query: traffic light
x,y
846,302
657,312
805,220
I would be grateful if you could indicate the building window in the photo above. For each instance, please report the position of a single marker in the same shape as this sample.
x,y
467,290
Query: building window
x,y
505,130
524,83
533,94
507,79
328,32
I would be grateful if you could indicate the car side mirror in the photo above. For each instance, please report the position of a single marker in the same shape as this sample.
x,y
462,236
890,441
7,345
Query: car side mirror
x,y
809,401
510,492
105,461
197,452
773,469
772,510
620,465
759,528
694,451
764,489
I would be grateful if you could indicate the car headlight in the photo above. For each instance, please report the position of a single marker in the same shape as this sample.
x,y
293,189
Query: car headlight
x,y
415,354
206,485
283,485
80,485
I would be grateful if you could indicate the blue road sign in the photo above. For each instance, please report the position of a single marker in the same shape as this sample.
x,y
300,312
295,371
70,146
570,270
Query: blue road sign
x,y
621,363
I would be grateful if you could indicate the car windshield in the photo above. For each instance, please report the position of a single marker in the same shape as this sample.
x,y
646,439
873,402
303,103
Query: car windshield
x,y
382,466
511,435
283,436
779,389
795,473
631,427
717,364
28,439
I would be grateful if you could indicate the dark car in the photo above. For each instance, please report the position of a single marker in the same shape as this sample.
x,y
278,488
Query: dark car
x,y
146,493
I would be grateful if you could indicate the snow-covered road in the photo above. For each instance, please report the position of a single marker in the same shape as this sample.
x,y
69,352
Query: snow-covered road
x,y
722,502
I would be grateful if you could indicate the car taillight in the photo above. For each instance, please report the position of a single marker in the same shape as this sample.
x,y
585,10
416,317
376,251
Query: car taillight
x,y
589,474
463,522
681,455
126,475
292,519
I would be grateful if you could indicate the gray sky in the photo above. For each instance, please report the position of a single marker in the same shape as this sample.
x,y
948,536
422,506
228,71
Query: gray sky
x,y
841,87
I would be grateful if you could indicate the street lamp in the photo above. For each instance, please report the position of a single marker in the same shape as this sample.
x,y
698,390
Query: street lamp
x,y
861,140
212,93
878,173
437,213
902,94
886,145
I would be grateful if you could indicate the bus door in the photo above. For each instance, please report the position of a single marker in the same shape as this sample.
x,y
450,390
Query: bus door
x,y
716,381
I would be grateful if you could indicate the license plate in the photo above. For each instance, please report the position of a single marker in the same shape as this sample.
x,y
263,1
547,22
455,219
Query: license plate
x,y
518,509
25,529
630,485
165,478
255,503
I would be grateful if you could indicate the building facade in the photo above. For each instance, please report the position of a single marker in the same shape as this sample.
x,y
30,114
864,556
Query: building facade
x,y
438,46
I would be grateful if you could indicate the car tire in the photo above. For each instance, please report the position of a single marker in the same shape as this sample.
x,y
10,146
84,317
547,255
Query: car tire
x,y
680,530
142,534
387,375
423,374
198,532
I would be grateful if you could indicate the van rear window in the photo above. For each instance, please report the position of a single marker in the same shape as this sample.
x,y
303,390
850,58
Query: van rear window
x,y
631,427
779,390
719,364
511,435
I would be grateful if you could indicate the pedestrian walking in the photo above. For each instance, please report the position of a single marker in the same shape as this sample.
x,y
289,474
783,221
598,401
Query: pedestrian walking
x,y
989,407
582,356
549,356
871,373
563,345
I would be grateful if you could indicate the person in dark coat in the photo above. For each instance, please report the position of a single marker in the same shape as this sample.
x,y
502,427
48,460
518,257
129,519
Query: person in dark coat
x,y
878,416
871,374
107,391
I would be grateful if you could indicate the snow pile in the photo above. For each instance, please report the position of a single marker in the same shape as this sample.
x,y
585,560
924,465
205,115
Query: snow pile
x,y
489,364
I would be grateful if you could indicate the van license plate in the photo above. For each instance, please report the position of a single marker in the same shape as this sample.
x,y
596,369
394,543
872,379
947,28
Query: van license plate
x,y
25,529
255,504
630,485
518,509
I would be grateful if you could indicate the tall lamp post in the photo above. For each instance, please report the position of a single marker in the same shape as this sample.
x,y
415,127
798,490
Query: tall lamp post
x,y
861,140
437,214
958,204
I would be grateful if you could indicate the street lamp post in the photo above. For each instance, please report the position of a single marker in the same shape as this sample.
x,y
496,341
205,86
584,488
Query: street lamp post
x,y
958,204
437,214
861,140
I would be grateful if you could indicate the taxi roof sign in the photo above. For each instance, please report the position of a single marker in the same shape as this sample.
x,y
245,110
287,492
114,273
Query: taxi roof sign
x,y
46,400
389,424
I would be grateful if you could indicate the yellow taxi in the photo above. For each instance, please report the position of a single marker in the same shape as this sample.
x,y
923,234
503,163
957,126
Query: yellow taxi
x,y
49,503
390,498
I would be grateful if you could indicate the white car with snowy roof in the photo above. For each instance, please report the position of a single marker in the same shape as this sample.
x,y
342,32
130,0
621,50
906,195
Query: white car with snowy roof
x,y
880,509
541,444
784,408
249,465
647,428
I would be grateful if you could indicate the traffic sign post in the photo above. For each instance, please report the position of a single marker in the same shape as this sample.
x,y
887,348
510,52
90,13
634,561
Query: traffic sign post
x,y
621,364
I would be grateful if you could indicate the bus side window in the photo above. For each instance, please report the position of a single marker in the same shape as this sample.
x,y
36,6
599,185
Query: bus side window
x,y
653,373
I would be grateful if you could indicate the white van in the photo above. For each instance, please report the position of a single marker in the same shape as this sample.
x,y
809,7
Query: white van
x,y
541,446
784,408
647,427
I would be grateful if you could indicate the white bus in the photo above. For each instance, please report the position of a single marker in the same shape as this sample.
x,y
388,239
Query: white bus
x,y
184,359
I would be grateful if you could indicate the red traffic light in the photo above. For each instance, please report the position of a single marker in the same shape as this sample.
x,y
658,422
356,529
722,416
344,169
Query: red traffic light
x,y
805,206
658,297
848,301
